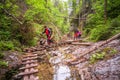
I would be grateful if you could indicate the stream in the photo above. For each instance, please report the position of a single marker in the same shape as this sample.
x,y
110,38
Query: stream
x,y
61,70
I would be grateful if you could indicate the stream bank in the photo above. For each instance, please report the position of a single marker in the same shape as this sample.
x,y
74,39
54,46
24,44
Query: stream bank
x,y
53,66
107,68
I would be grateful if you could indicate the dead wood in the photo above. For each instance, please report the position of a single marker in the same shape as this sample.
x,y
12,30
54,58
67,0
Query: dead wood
x,y
96,47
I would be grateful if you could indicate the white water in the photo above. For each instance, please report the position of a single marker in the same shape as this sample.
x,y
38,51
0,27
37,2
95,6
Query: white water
x,y
61,72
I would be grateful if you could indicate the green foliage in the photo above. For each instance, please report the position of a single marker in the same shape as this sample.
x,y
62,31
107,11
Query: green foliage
x,y
104,54
33,14
97,56
110,51
1,55
3,64
101,32
113,9
6,45
96,27
115,25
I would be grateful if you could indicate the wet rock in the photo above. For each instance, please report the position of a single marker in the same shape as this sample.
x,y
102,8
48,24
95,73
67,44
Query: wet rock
x,y
14,61
109,70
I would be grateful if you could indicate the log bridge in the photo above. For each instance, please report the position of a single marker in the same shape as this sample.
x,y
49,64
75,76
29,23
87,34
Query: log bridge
x,y
28,70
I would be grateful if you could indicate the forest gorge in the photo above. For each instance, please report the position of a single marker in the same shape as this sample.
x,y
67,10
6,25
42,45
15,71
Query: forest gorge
x,y
22,23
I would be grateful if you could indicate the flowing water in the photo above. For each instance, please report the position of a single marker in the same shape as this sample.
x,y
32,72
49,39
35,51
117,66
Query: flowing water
x,y
62,71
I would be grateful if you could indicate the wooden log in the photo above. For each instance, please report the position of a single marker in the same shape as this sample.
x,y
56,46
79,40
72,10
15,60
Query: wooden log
x,y
68,41
96,47
26,77
84,44
105,42
29,62
32,77
31,58
30,55
30,66
28,72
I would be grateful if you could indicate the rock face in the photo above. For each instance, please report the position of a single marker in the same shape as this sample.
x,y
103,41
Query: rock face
x,y
103,70
108,70
13,60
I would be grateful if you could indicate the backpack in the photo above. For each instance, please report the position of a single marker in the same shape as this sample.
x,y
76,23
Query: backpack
x,y
50,30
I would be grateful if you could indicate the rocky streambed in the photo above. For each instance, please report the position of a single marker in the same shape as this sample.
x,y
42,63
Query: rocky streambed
x,y
53,63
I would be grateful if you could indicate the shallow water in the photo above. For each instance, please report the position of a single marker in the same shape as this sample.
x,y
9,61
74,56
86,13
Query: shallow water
x,y
62,71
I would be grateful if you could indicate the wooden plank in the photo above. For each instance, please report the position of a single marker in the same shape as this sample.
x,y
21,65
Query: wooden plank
x,y
28,73
31,58
84,44
73,40
30,66
30,55
30,61
36,78
26,70
26,77
32,77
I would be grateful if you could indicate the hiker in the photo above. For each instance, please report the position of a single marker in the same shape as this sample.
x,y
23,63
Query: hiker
x,y
77,34
50,31
48,34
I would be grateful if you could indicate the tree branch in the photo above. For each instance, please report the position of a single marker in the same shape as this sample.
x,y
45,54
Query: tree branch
x,y
13,16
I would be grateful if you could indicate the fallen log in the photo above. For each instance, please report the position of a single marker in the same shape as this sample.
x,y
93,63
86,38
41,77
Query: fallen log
x,y
96,47
70,41
84,44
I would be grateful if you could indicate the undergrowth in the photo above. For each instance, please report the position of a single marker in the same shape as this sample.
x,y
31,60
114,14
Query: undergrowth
x,y
2,63
102,55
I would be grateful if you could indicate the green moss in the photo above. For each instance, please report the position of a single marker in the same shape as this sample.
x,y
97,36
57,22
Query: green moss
x,y
97,56
1,55
106,53
6,45
3,64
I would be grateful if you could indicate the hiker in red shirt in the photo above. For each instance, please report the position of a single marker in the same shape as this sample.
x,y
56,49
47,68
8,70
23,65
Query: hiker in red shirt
x,y
48,34
77,34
